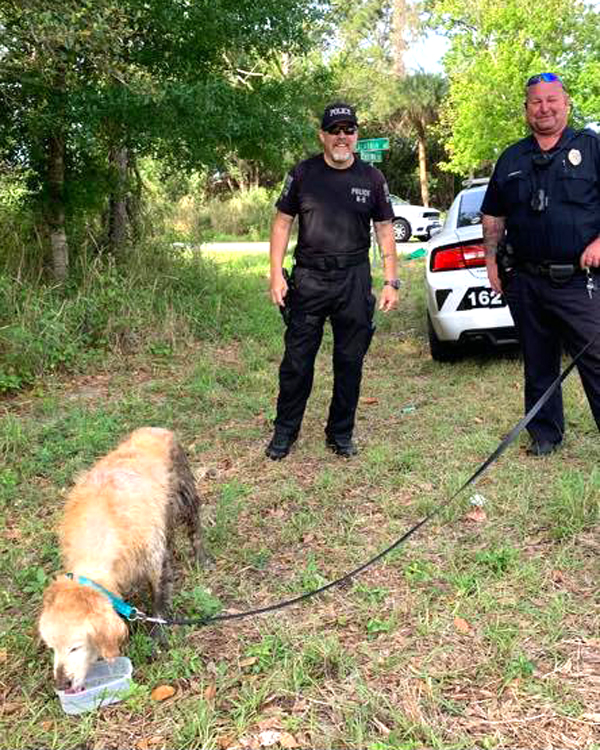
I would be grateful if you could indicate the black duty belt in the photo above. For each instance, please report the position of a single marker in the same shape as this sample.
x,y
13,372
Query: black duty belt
x,y
554,271
331,262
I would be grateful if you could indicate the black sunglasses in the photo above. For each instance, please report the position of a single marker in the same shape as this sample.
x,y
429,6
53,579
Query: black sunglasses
x,y
544,78
346,129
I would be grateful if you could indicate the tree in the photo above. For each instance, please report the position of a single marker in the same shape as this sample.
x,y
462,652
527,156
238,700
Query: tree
x,y
494,48
372,36
88,85
414,107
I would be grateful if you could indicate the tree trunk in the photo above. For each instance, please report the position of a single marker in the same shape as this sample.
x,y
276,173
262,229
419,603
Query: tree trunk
x,y
56,208
117,207
423,169
399,29
134,199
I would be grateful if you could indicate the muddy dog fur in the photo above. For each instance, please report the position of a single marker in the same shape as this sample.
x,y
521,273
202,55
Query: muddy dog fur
x,y
117,530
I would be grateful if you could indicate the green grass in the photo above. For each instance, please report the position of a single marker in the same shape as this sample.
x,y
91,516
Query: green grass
x,y
461,638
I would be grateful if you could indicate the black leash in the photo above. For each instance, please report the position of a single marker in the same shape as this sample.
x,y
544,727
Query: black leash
x,y
512,435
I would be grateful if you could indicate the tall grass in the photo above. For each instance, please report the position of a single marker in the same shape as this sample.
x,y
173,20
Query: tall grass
x,y
246,214
155,301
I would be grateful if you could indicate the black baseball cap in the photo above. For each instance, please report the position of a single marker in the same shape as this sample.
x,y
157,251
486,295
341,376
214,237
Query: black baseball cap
x,y
338,112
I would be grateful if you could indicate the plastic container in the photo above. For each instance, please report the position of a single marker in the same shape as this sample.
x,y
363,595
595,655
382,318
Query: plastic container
x,y
106,682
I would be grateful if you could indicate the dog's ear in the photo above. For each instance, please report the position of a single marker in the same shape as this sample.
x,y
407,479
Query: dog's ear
x,y
109,632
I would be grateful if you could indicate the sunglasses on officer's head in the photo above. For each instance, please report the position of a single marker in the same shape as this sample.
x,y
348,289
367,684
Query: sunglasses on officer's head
x,y
346,129
544,78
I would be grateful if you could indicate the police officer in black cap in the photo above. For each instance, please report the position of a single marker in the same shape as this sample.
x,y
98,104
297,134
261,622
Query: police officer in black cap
x,y
545,195
335,196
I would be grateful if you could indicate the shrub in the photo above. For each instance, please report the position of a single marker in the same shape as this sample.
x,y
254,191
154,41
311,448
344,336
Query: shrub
x,y
246,214
155,300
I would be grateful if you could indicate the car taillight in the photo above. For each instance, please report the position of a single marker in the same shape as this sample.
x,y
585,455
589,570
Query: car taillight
x,y
463,256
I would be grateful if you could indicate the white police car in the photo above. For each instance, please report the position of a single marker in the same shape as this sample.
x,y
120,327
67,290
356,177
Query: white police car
x,y
461,306
413,221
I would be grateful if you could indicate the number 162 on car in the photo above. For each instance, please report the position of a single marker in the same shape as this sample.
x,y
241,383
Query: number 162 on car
x,y
478,296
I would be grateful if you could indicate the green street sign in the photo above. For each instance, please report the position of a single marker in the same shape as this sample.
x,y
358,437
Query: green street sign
x,y
373,144
372,156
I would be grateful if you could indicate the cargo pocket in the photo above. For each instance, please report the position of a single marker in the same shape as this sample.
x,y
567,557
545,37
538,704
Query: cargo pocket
x,y
371,302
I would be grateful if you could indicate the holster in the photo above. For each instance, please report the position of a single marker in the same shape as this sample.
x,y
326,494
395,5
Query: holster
x,y
505,259
286,309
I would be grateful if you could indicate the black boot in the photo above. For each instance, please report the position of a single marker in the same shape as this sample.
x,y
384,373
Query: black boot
x,y
280,445
341,445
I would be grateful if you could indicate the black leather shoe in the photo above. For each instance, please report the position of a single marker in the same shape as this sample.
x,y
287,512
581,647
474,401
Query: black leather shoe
x,y
341,446
280,445
542,448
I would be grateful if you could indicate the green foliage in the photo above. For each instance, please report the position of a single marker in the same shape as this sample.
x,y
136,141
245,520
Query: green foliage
x,y
575,504
192,84
494,48
156,302
246,214
197,602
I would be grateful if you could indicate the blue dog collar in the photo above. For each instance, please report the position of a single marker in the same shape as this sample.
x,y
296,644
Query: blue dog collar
x,y
121,607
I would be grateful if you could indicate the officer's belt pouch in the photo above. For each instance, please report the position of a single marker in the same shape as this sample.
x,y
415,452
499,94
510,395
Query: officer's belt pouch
x,y
561,273
558,273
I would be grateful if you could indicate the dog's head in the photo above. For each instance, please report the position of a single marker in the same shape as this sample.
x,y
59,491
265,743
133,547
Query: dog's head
x,y
80,625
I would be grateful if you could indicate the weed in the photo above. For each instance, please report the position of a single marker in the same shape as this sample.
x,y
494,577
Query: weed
x,y
311,577
227,510
196,602
372,594
270,651
575,503
378,625
196,726
497,561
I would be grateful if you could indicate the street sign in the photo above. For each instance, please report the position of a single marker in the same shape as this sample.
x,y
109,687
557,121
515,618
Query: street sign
x,y
373,144
372,156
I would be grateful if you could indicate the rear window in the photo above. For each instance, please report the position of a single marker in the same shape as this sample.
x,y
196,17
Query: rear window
x,y
469,212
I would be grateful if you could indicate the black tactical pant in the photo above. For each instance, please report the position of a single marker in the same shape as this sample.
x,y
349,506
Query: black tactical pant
x,y
548,315
344,296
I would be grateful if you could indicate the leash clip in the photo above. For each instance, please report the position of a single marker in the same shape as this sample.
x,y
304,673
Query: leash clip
x,y
136,614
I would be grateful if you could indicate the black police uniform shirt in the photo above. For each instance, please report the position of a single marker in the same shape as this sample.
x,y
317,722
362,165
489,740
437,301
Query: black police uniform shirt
x,y
334,206
569,176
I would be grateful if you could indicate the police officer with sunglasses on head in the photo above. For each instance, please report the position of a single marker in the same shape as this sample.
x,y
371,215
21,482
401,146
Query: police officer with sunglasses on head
x,y
541,218
335,196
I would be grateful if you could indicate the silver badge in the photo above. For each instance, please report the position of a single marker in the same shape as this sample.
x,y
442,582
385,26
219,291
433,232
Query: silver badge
x,y
574,156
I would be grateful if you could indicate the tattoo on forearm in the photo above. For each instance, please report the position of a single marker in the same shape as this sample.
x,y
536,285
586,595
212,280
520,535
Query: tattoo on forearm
x,y
493,232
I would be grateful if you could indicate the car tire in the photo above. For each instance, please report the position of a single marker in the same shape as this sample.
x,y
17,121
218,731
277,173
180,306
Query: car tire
x,y
441,351
402,230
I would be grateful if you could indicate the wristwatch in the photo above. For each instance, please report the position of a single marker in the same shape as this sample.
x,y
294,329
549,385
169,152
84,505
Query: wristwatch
x,y
394,283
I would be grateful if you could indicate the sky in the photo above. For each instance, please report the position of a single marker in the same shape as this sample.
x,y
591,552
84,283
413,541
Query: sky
x,y
427,54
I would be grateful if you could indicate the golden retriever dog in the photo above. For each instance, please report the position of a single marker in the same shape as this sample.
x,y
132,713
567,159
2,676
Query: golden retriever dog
x,y
117,531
